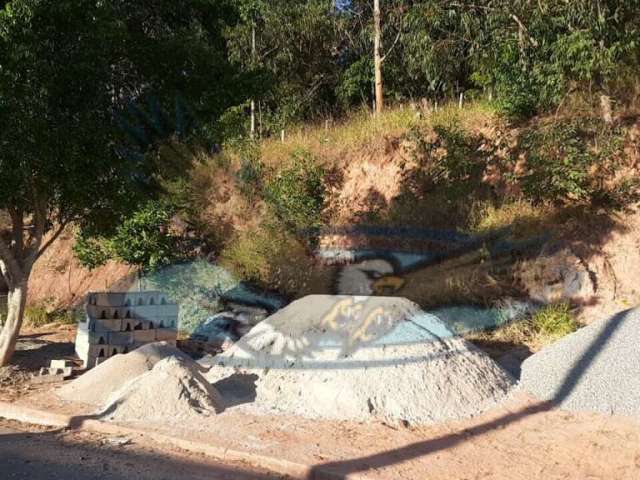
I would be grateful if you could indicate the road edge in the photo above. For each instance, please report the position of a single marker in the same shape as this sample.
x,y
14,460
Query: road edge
x,y
27,414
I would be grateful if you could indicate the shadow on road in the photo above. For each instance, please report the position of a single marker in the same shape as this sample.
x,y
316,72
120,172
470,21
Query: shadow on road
x,y
46,456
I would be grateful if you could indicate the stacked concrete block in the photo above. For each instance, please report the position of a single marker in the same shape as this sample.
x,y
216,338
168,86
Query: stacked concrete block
x,y
119,322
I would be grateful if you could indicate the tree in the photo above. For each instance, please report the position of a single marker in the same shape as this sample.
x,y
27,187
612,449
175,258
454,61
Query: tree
x,y
67,67
377,56
296,57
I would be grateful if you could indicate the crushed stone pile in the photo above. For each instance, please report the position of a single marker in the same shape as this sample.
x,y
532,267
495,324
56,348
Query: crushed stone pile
x,y
172,390
594,369
98,384
358,358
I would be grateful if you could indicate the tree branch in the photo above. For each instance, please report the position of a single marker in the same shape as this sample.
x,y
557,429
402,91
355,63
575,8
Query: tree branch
x,y
51,239
392,46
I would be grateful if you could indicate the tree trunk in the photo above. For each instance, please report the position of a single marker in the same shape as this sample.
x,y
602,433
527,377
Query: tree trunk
x,y
253,103
16,301
377,57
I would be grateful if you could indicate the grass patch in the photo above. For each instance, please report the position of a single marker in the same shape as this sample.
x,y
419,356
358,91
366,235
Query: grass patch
x,y
38,316
554,321
524,218
547,325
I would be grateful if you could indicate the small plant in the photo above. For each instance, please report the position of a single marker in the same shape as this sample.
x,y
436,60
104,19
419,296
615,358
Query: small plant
x,y
571,161
545,326
297,192
36,316
554,321
268,255
249,175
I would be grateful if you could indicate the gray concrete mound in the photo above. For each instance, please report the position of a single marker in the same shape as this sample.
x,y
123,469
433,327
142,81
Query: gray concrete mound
x,y
172,390
98,384
358,358
594,369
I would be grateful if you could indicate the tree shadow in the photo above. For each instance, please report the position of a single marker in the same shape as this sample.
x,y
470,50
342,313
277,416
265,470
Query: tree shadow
x,y
42,456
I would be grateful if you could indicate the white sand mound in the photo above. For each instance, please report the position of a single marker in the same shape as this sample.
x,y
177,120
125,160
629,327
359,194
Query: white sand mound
x,y
99,383
172,390
346,357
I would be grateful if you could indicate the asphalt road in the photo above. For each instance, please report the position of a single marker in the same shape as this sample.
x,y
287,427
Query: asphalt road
x,y
33,455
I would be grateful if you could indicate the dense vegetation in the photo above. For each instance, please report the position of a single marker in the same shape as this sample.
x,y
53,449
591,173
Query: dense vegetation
x,y
105,108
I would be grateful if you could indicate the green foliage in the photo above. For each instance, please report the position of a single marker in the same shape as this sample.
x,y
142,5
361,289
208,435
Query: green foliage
x,y
535,53
85,91
36,316
297,192
268,255
446,156
294,66
530,55
554,321
144,239
562,159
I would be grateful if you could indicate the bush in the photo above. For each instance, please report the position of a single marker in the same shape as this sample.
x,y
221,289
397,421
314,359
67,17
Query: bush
x,y
268,256
573,161
297,192
446,159
36,316
249,175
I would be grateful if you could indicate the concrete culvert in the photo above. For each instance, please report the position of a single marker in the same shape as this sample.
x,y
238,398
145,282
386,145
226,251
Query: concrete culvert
x,y
358,358
595,369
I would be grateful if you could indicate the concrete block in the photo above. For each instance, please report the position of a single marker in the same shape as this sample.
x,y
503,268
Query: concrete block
x,y
166,334
56,364
117,349
88,353
105,326
144,336
120,338
91,338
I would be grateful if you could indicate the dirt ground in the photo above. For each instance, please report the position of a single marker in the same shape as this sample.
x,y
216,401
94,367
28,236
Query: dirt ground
x,y
30,452
523,439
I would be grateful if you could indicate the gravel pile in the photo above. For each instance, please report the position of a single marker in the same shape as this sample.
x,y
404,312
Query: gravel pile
x,y
357,358
595,369
172,390
98,384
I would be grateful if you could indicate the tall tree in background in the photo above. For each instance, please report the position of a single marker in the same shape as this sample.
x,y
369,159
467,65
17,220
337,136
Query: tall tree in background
x,y
296,58
377,56
67,67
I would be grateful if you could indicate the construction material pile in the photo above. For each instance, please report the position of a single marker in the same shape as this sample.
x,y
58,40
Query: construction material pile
x,y
595,369
172,390
358,358
96,385
155,382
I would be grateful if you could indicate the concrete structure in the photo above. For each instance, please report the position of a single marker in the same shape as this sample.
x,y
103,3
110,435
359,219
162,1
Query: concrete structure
x,y
119,322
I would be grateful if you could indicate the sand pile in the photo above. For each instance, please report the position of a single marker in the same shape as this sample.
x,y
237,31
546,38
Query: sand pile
x,y
595,369
172,390
346,357
98,384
